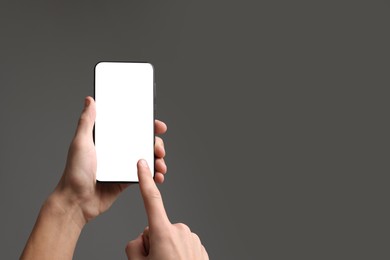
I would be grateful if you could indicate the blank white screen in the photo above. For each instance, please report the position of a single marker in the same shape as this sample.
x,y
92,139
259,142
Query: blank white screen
x,y
124,126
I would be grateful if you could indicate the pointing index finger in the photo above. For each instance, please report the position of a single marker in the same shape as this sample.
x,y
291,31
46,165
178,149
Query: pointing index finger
x,y
153,202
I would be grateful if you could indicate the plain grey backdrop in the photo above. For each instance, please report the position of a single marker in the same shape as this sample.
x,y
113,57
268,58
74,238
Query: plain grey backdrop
x,y
277,112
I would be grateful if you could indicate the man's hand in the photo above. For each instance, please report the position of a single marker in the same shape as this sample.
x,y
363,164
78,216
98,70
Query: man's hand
x,y
78,198
78,183
162,240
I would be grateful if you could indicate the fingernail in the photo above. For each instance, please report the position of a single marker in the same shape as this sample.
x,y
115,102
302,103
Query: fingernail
x,y
143,163
87,102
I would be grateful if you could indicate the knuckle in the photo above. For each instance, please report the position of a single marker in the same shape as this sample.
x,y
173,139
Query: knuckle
x,y
196,238
182,227
129,246
160,162
77,143
154,193
84,117
161,166
166,235
159,141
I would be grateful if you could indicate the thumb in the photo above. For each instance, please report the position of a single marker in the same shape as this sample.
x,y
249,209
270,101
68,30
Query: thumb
x,y
87,118
135,249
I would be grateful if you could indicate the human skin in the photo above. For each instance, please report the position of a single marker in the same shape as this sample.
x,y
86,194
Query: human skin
x,y
162,240
78,198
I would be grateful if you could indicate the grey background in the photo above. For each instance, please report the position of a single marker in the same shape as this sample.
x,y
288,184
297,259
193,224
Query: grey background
x,y
277,112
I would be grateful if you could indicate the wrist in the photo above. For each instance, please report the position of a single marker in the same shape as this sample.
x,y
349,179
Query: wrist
x,y
56,230
65,207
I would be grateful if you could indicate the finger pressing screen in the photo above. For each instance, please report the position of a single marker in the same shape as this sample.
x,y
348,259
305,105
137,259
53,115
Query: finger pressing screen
x,y
154,206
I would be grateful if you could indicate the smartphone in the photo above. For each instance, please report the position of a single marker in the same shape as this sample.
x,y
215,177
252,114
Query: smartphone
x,y
124,125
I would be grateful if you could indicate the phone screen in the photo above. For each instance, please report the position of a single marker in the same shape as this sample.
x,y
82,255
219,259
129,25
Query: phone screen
x,y
124,125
